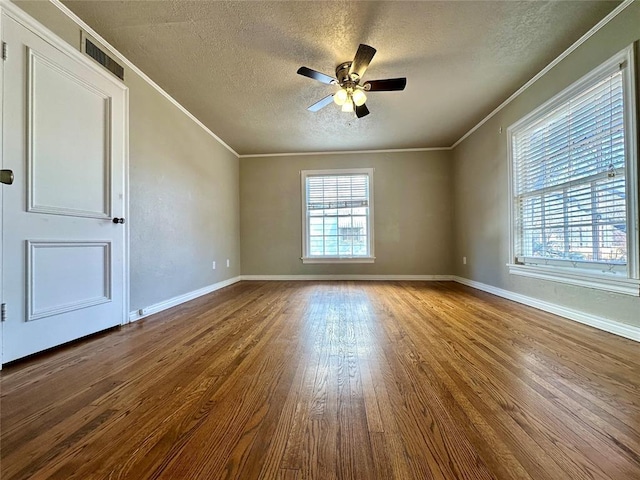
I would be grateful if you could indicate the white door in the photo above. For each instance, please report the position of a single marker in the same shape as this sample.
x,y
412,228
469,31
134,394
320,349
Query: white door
x,y
64,139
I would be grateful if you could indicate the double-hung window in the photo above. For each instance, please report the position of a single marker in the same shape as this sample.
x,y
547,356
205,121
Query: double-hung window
x,y
337,210
574,184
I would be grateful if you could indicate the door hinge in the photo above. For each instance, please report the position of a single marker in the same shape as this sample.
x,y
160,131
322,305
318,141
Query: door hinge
x,y
3,312
4,50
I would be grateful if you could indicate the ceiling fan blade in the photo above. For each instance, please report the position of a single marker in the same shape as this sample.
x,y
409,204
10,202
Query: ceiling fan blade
x,y
387,85
363,58
321,77
362,111
321,103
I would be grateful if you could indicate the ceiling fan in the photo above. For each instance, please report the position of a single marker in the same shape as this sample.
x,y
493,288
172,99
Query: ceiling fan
x,y
351,95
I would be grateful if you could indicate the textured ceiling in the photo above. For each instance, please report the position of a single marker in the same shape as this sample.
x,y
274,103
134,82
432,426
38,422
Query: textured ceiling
x,y
233,64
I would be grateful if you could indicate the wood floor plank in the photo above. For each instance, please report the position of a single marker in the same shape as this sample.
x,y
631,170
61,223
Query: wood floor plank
x,y
473,359
271,468
311,397
461,357
329,380
478,429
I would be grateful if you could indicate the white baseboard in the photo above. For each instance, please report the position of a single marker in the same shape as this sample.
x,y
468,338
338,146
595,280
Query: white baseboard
x,y
432,278
172,302
611,326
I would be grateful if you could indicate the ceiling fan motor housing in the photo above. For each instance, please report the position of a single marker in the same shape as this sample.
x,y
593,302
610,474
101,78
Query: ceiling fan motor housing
x,y
342,73
351,95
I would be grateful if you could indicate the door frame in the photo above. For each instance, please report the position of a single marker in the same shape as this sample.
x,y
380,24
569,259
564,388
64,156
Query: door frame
x,y
11,10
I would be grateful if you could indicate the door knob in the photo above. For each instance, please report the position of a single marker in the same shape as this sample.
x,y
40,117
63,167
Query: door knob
x,y
118,220
6,177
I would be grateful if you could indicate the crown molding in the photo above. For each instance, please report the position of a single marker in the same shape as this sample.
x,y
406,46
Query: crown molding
x,y
346,152
614,13
84,26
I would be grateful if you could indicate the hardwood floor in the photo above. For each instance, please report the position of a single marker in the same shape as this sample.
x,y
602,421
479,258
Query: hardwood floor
x,y
330,380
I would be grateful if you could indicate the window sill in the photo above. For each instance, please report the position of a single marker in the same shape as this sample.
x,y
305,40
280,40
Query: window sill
x,y
338,259
608,282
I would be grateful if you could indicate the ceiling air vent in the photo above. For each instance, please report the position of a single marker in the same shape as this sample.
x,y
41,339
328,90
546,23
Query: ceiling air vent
x,y
103,59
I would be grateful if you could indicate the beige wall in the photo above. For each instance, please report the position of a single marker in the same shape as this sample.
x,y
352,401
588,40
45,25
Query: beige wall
x,y
184,203
431,207
412,221
183,190
481,182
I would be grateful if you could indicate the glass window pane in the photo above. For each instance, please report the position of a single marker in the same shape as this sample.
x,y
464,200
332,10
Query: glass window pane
x,y
331,245
315,226
338,208
330,226
569,177
316,246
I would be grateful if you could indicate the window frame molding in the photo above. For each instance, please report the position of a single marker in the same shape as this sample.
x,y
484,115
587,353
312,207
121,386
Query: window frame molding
x,y
626,283
306,259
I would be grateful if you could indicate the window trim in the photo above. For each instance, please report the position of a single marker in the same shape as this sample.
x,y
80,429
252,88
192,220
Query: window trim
x,y
619,282
305,232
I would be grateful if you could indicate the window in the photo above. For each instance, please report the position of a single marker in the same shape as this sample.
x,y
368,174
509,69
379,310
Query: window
x,y
337,209
574,184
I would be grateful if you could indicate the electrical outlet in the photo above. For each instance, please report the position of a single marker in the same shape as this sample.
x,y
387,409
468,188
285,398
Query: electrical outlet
x,y
213,265
228,263
464,260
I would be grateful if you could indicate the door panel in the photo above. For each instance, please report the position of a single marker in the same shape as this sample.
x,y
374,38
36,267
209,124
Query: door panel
x,y
81,140
66,276
64,138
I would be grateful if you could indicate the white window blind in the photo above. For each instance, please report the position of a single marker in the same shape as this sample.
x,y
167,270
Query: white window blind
x,y
337,210
570,179
574,184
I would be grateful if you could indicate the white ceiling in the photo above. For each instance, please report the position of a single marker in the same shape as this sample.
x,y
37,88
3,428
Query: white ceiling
x,y
233,64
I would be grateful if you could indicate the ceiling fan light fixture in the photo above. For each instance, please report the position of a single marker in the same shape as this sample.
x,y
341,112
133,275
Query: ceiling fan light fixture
x,y
348,106
359,97
351,95
340,97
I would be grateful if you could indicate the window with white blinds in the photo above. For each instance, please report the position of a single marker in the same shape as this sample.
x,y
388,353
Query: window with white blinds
x,y
338,212
571,159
